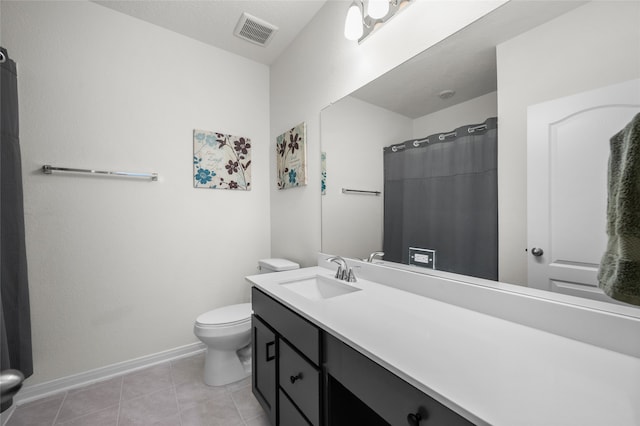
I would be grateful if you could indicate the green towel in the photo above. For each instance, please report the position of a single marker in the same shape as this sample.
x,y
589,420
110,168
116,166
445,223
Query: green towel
x,y
619,274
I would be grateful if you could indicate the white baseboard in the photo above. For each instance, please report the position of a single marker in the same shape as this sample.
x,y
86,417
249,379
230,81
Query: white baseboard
x,y
33,392
6,415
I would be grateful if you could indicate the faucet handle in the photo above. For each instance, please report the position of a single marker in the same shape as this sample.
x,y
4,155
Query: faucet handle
x,y
351,276
340,273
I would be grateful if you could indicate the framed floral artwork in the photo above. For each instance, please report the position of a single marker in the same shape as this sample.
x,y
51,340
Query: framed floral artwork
x,y
291,155
221,161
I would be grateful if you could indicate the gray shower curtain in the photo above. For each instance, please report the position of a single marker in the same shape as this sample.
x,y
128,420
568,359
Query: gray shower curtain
x,y
442,195
14,302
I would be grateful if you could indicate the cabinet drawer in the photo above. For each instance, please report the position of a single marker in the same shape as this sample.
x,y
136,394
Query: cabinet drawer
x,y
289,414
388,395
301,333
301,382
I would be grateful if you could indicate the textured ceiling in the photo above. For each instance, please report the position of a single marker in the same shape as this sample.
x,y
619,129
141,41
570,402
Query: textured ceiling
x,y
213,21
464,62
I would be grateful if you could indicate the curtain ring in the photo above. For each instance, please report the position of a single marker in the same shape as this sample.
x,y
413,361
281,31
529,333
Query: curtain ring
x,y
476,128
3,57
443,136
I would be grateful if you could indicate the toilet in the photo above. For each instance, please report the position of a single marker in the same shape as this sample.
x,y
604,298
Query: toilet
x,y
227,330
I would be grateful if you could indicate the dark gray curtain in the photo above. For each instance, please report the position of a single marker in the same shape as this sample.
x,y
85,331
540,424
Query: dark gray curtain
x,y
442,195
14,304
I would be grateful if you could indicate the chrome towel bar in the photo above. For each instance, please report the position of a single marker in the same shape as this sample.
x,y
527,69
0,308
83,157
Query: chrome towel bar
x,y
47,169
359,191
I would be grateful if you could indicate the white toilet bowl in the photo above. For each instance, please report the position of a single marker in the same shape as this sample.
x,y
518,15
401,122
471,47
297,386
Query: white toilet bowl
x,y
224,330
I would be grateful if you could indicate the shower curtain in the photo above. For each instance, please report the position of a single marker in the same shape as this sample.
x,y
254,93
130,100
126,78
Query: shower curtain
x,y
14,301
441,194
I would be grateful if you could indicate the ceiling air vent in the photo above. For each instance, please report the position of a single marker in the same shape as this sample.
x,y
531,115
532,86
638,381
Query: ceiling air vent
x,y
255,30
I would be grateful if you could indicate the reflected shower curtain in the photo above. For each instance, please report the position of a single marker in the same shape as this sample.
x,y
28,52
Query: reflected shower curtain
x,y
442,195
14,302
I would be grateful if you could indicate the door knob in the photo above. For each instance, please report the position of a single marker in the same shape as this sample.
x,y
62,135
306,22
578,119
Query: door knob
x,y
10,383
537,252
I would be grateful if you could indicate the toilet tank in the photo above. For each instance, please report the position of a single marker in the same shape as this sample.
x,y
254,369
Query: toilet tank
x,y
276,265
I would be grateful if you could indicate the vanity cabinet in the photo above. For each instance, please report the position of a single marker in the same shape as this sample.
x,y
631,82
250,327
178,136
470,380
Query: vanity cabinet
x,y
365,385
305,376
286,367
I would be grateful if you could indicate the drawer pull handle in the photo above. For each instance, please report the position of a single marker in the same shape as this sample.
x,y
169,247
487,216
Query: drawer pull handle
x,y
414,419
268,346
296,377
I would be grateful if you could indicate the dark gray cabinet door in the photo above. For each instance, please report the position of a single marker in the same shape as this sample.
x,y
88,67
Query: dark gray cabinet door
x,y
264,367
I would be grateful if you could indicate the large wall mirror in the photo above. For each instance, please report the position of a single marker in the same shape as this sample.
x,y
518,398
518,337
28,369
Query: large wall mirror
x,y
521,55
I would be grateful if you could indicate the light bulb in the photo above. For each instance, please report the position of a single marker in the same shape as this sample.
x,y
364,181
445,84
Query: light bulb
x,y
353,24
377,8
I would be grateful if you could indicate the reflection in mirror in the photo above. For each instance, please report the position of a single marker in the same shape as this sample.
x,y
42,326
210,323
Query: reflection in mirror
x,y
520,55
441,201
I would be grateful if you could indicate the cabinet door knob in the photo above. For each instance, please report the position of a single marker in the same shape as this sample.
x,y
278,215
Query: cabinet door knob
x,y
414,419
296,377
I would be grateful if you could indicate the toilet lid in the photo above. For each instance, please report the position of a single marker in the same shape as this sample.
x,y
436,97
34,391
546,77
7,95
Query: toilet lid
x,y
227,315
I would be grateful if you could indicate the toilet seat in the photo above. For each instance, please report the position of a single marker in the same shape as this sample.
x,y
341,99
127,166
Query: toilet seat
x,y
226,316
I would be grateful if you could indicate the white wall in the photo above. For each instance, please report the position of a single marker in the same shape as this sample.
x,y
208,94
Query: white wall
x,y
474,111
120,268
353,135
319,68
595,45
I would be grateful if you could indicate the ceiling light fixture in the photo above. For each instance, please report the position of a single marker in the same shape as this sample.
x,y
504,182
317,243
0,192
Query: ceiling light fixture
x,y
353,24
365,16
377,8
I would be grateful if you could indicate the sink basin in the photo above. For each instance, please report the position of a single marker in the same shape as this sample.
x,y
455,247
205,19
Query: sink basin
x,y
319,287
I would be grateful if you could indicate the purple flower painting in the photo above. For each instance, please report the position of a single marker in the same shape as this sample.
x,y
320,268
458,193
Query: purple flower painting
x,y
291,157
221,161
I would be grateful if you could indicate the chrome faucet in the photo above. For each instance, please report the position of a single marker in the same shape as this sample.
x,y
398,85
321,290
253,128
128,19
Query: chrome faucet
x,y
343,273
374,255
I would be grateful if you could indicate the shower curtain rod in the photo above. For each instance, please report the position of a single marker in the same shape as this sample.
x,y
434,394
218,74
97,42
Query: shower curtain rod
x,y
47,169
441,136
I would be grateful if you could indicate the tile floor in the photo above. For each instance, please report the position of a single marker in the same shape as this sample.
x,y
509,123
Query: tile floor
x,y
168,394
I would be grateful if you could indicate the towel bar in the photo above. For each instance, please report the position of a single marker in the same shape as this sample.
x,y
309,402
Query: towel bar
x,y
47,169
359,191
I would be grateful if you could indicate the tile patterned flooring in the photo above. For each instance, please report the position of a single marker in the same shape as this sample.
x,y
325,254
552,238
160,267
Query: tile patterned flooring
x,y
168,394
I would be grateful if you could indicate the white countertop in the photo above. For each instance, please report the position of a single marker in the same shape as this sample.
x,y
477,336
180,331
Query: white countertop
x,y
489,370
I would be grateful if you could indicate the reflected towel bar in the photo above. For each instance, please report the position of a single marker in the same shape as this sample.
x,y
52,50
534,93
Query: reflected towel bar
x,y
358,191
47,169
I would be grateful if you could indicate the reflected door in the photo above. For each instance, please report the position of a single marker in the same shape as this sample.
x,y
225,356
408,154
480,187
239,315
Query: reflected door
x,y
567,154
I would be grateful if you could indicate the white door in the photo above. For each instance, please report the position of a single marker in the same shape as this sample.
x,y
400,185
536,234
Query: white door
x,y
567,160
